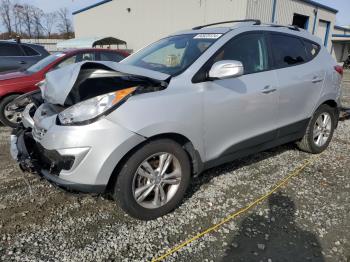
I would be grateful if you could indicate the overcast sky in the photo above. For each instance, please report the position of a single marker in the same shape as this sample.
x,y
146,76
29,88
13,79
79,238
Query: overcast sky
x,y
343,17
52,5
343,6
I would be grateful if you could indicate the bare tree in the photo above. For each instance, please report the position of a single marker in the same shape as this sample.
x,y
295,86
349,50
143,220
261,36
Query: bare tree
x,y
17,19
29,21
37,16
49,23
27,18
64,24
6,14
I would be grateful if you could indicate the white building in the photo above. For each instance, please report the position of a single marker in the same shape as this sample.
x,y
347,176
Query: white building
x,y
341,43
140,22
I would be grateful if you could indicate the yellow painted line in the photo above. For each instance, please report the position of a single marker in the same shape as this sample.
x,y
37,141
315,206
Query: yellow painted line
x,y
280,184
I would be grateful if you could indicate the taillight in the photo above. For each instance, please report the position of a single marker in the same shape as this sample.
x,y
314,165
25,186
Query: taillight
x,y
339,69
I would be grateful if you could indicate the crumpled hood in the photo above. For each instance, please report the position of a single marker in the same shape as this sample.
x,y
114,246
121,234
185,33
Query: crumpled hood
x,y
60,82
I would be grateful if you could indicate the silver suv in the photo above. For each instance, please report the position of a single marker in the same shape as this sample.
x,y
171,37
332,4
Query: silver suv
x,y
142,128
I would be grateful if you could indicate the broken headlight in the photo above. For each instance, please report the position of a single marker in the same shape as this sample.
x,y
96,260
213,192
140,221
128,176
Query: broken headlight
x,y
89,110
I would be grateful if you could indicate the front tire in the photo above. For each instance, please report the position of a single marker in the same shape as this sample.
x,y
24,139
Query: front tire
x,y
154,180
7,117
320,131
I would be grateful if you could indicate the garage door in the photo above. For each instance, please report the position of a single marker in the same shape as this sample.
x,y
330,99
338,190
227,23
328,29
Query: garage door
x,y
322,31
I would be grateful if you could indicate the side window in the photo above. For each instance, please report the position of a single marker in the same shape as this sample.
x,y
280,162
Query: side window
x,y
29,51
312,49
86,57
287,50
7,49
110,56
249,49
68,61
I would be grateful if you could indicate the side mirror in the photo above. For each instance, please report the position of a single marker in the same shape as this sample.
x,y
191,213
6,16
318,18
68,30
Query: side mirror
x,y
226,69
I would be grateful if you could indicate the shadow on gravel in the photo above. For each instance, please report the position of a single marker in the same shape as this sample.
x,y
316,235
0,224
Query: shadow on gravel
x,y
276,238
345,114
208,175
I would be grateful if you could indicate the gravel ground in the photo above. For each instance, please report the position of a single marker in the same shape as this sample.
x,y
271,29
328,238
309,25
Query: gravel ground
x,y
306,220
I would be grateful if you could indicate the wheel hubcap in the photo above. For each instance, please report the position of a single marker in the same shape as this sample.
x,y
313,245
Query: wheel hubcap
x,y
322,129
156,180
12,116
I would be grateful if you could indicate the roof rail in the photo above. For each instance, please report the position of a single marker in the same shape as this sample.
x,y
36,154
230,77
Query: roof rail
x,y
291,27
256,22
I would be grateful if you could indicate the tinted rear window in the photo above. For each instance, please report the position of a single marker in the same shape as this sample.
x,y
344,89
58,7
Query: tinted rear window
x,y
7,49
288,50
29,51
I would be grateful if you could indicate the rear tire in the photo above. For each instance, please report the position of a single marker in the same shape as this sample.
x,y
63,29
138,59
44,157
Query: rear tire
x,y
4,116
320,131
165,189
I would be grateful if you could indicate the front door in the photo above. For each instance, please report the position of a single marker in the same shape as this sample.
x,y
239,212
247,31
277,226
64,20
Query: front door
x,y
240,113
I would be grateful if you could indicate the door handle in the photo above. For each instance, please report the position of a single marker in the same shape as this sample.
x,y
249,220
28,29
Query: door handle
x,y
317,80
267,90
22,62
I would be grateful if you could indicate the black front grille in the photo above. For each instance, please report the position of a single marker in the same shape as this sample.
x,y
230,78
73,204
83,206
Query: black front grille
x,y
45,159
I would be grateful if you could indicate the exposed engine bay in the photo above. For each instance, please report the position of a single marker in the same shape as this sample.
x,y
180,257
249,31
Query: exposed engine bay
x,y
74,84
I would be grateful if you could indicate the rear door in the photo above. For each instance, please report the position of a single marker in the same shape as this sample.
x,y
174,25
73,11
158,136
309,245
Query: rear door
x,y
240,113
12,57
31,56
300,79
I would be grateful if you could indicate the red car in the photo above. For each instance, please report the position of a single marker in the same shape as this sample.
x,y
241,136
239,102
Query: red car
x,y
14,84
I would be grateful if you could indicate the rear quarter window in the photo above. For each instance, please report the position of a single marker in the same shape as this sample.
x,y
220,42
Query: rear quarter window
x,y
29,51
288,50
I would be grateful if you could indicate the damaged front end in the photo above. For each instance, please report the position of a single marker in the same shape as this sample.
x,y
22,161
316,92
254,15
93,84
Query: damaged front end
x,y
34,158
73,96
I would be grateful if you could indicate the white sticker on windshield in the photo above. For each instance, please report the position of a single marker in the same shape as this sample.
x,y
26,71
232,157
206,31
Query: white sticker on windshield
x,y
207,36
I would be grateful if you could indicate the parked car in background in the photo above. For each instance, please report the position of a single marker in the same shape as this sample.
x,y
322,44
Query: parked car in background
x,y
16,83
19,56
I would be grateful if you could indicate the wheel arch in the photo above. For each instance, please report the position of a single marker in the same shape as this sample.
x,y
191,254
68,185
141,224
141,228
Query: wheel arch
x,y
194,156
333,104
3,96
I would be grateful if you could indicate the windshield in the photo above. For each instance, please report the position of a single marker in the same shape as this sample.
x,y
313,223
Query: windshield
x,y
44,62
172,55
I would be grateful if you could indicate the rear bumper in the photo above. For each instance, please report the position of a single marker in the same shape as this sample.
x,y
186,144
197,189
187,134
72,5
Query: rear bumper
x,y
46,163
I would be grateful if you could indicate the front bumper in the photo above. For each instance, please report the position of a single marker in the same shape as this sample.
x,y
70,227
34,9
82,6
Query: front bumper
x,y
32,157
78,158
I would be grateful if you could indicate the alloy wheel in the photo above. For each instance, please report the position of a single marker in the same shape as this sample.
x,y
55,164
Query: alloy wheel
x,y
322,129
12,116
156,180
